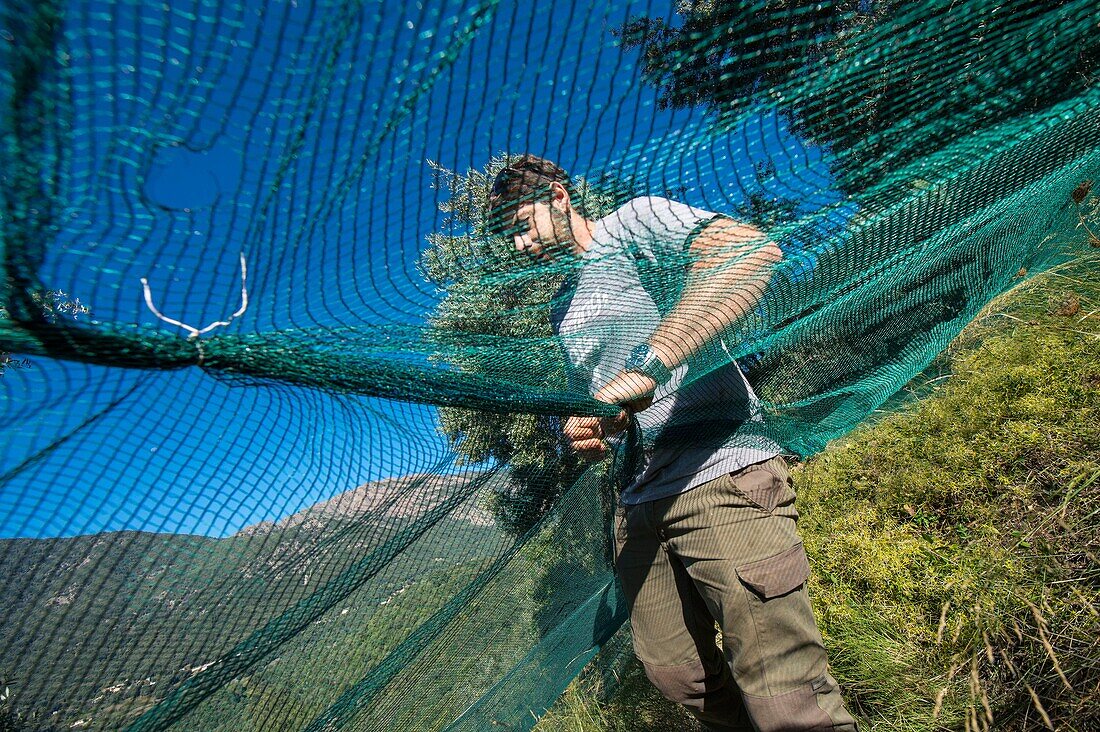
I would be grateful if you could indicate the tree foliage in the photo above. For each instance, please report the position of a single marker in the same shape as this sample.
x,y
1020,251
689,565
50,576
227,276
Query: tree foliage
x,y
762,206
858,78
721,51
10,720
55,304
492,291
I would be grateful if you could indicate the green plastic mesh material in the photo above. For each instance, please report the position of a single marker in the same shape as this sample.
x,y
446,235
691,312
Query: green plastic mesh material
x,y
283,407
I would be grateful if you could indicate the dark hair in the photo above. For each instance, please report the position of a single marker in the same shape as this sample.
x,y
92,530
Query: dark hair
x,y
526,179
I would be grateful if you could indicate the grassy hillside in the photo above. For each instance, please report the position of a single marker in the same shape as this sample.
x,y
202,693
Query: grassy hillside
x,y
954,541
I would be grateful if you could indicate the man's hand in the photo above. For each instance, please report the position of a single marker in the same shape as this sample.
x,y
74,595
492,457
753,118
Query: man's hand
x,y
631,390
588,435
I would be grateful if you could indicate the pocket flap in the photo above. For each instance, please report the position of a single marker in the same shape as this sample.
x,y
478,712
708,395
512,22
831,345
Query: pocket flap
x,y
777,575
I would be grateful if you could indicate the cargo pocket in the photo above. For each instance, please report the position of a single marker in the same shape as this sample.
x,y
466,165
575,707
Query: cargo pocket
x,y
777,575
765,485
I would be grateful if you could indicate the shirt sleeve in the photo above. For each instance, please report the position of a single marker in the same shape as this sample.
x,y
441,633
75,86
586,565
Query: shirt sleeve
x,y
660,229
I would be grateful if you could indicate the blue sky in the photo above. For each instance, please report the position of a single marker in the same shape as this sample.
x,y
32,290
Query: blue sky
x,y
197,136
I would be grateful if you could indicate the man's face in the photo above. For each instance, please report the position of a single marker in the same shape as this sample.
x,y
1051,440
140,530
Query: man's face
x,y
542,231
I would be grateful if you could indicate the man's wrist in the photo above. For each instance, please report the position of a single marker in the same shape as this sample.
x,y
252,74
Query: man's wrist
x,y
645,360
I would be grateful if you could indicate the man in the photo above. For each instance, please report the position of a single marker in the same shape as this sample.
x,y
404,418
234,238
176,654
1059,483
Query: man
x,y
706,526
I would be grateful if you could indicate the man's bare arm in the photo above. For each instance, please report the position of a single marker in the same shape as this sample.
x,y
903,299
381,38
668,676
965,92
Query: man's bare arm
x,y
732,263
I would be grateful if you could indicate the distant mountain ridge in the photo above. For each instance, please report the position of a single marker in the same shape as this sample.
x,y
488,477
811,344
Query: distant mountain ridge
x,y
98,627
395,497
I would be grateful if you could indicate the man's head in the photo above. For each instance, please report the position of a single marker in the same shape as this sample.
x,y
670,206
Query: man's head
x,y
533,200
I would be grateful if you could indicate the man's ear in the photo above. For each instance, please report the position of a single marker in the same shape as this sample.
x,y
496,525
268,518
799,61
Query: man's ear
x,y
559,197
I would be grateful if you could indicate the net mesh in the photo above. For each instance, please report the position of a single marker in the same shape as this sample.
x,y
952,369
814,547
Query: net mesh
x,y
282,401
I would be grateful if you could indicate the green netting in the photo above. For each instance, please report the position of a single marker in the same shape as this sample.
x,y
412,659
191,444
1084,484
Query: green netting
x,y
282,401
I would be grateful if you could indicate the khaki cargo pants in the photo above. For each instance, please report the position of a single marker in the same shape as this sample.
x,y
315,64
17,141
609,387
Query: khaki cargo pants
x,y
728,550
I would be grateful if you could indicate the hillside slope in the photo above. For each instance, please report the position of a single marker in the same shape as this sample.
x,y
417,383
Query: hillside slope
x,y
954,541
